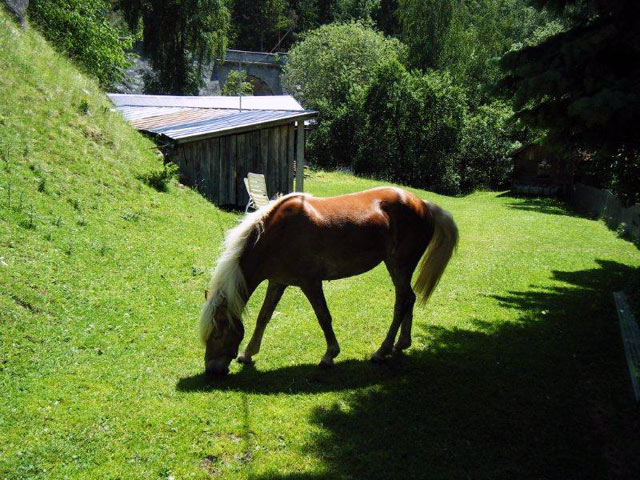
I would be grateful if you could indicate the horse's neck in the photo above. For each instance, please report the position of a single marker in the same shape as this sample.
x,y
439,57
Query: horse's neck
x,y
249,270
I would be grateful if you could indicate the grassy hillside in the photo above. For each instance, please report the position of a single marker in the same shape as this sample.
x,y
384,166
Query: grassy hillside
x,y
516,370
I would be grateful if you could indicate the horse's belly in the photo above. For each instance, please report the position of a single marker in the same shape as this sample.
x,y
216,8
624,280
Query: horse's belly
x,y
336,270
322,258
346,257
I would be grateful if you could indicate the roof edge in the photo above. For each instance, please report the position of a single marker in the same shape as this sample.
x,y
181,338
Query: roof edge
x,y
249,102
308,114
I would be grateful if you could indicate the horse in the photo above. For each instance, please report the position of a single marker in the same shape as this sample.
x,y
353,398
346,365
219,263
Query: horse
x,y
301,240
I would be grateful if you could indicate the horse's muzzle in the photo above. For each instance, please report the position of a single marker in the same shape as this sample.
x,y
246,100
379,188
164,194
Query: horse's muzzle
x,y
218,366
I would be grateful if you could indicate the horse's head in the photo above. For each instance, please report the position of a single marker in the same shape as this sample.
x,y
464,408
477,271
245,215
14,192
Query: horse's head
x,y
223,341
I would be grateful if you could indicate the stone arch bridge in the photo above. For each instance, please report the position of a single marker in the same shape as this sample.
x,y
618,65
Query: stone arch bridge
x,y
263,71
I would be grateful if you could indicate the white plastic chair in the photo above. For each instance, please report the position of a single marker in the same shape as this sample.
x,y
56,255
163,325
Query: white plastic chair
x,y
257,190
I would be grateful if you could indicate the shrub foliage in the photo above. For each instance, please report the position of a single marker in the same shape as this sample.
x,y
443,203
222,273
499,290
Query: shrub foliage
x,y
82,29
381,120
327,72
413,124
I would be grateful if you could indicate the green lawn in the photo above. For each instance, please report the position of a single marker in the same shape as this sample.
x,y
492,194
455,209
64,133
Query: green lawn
x,y
516,370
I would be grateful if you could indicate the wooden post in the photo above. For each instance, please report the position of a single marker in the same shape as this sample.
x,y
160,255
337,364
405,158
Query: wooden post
x,y
291,148
300,157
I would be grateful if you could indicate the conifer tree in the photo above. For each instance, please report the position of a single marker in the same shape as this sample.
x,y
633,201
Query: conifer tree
x,y
583,85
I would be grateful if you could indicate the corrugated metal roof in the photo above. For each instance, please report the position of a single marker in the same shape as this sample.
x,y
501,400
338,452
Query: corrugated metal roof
x,y
186,119
226,124
133,113
180,115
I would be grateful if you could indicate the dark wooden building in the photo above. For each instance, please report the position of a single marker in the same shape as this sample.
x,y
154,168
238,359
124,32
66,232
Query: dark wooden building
x,y
216,141
538,171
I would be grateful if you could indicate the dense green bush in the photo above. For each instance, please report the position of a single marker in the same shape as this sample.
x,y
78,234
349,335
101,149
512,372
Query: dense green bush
x,y
326,72
410,128
625,174
322,69
82,29
332,142
381,120
487,138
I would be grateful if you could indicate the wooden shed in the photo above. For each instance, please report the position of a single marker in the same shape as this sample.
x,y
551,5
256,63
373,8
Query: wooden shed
x,y
216,141
538,171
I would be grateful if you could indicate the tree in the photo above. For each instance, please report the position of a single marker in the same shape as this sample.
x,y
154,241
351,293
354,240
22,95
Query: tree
x,y
180,37
329,61
83,30
259,25
237,84
308,15
425,25
326,71
354,10
329,11
386,18
589,95
410,128
581,86
466,38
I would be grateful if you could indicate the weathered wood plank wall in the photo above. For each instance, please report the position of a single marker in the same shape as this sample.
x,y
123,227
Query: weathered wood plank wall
x,y
217,166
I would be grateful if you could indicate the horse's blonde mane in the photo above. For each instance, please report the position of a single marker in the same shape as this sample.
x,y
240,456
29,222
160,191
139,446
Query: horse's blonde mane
x,y
227,280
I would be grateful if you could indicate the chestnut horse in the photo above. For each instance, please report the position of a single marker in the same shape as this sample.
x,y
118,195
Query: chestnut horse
x,y
302,240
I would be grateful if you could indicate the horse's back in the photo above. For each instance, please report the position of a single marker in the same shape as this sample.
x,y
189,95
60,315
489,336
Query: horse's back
x,y
337,237
357,206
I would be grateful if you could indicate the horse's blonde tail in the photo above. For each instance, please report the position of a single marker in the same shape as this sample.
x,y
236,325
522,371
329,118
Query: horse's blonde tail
x,y
443,242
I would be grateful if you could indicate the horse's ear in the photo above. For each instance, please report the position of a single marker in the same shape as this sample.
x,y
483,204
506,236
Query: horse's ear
x,y
206,294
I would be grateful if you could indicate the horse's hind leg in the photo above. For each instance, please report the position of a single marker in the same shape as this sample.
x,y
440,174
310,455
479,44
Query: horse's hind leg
x,y
402,313
404,340
315,295
271,299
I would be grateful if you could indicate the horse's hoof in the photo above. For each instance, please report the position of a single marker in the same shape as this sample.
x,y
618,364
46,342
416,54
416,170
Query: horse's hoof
x,y
377,358
326,363
217,373
244,360
399,350
400,347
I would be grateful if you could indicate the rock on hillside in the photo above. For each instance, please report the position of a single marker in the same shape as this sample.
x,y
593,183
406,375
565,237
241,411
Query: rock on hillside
x,y
18,8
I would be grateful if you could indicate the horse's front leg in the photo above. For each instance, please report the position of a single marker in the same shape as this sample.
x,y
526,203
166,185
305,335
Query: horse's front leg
x,y
271,299
314,293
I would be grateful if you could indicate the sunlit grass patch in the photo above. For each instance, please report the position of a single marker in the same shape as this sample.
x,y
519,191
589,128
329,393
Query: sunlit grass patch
x,y
516,368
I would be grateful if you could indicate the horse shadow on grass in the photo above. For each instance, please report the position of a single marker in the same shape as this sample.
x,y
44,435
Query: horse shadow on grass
x,y
304,378
545,397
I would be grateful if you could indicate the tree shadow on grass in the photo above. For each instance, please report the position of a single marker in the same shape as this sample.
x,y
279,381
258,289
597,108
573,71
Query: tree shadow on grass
x,y
546,397
547,205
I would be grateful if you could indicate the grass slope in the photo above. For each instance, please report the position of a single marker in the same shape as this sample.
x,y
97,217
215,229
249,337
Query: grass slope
x,y
516,370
